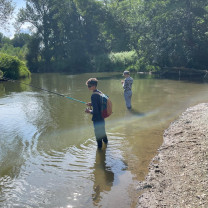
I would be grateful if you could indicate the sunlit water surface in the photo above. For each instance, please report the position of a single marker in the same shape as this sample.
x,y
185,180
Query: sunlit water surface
x,y
48,154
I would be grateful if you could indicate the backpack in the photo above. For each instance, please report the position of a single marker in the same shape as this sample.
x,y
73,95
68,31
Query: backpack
x,y
106,105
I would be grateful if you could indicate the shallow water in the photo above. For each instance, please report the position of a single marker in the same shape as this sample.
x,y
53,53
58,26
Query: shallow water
x,y
48,154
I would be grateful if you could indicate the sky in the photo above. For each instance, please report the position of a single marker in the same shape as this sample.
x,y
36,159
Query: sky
x,y
11,30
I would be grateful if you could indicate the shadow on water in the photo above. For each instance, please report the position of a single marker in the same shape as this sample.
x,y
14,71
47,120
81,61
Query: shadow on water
x,y
103,176
136,112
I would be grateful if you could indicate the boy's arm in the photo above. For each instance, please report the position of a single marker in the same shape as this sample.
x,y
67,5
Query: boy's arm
x,y
88,110
94,103
124,84
96,108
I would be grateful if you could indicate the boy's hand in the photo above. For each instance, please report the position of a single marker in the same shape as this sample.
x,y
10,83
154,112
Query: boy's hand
x,y
122,81
87,110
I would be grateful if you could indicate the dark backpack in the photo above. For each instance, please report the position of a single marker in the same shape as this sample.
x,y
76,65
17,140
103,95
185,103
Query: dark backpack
x,y
106,105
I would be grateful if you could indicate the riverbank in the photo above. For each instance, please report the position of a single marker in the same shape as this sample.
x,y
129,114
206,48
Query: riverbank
x,y
183,72
178,175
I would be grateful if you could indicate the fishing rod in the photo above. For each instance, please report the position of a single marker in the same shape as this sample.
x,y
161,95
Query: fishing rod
x,y
11,80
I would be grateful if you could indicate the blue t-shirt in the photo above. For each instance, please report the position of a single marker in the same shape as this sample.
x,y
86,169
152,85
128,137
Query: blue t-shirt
x,y
96,105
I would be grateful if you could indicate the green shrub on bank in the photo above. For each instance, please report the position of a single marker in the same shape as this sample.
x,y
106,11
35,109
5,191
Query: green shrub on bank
x,y
12,67
127,60
143,66
115,61
19,52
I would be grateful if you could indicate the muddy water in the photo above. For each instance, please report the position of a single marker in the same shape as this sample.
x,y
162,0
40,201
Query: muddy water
x,y
48,155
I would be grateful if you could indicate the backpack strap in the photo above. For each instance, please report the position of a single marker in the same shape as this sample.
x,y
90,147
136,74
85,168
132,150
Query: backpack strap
x,y
98,93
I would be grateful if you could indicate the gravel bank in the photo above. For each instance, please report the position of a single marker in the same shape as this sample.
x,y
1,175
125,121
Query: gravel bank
x,y
178,175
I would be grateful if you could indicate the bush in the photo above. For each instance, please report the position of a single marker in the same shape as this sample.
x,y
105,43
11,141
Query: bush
x,y
14,51
12,67
115,61
127,60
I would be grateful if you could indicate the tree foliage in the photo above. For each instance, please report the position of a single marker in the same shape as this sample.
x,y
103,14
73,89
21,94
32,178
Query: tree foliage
x,y
174,33
6,11
71,35
16,46
20,39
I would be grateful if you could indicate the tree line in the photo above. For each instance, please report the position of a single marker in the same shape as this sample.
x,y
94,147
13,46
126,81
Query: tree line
x,y
108,35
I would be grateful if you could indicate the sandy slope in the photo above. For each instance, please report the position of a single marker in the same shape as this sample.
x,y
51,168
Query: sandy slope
x,y
178,175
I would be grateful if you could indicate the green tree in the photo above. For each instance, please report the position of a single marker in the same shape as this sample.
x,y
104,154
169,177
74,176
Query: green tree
x,y
6,11
69,46
11,46
33,56
40,14
69,34
59,29
173,33
20,39
118,24
14,51
4,40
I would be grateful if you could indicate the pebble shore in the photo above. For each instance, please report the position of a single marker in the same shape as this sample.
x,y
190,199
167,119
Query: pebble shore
x,y
178,174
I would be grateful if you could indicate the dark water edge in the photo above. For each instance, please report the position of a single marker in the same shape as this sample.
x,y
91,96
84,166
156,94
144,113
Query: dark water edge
x,y
181,73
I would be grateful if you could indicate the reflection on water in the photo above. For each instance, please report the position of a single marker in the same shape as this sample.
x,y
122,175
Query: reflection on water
x,y
48,153
103,176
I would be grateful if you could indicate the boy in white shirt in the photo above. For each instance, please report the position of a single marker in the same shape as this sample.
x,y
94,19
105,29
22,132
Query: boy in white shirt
x,y
127,85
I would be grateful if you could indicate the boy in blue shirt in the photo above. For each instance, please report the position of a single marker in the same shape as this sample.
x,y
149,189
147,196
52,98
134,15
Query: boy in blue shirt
x,y
98,120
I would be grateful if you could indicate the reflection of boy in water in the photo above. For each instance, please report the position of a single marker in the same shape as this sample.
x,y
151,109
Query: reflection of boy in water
x,y
98,120
103,176
127,84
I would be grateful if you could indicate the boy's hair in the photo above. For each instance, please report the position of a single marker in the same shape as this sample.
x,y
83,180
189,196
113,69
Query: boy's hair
x,y
126,73
92,82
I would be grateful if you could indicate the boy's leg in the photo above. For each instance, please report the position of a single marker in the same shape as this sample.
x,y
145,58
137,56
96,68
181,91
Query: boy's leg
x,y
99,144
130,95
100,134
103,132
127,96
105,140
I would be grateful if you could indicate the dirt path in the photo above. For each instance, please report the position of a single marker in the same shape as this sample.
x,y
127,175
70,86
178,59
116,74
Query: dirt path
x,y
178,175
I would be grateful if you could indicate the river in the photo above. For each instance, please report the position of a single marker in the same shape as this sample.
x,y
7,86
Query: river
x,y
48,153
